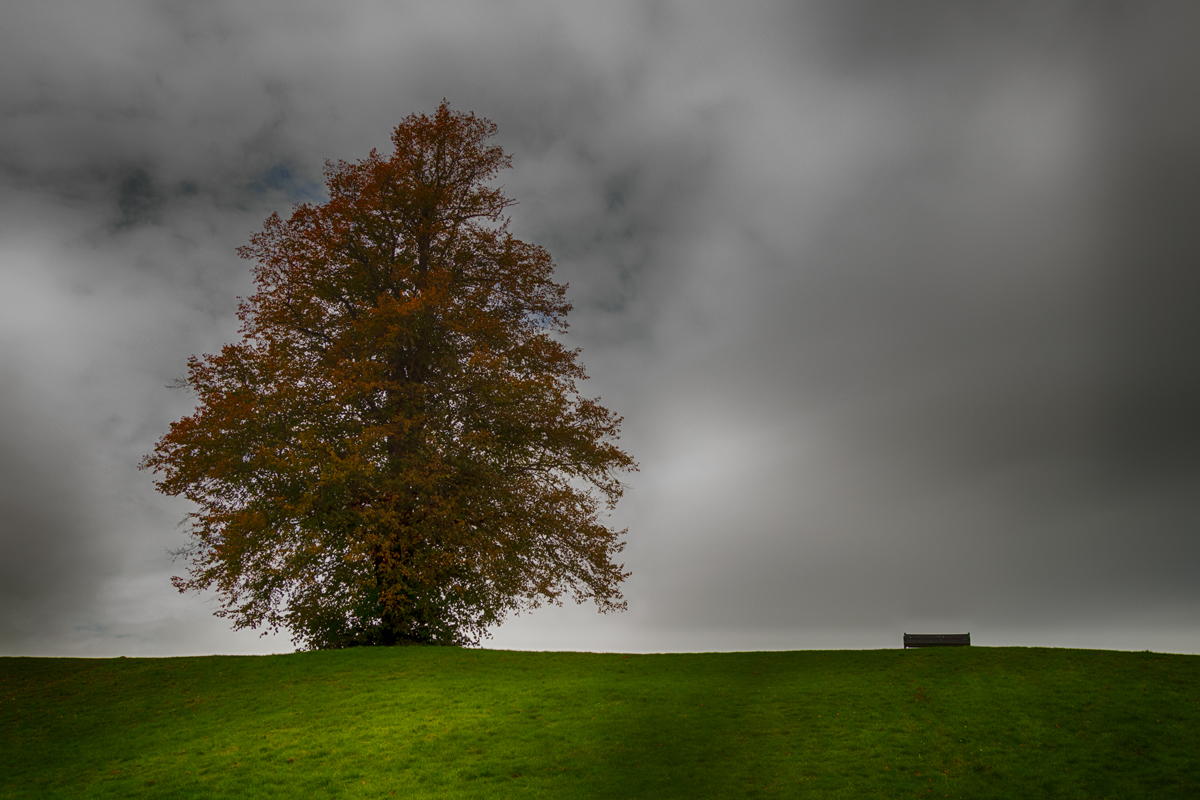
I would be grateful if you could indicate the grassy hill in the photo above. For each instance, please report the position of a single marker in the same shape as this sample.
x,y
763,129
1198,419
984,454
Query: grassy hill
x,y
446,722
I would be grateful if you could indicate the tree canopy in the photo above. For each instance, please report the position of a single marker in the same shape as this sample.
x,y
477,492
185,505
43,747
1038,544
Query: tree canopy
x,y
396,451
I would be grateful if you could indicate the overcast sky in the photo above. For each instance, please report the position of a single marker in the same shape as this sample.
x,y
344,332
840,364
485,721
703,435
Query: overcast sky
x,y
900,301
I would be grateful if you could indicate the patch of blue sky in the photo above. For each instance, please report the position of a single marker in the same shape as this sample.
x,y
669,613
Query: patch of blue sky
x,y
539,319
284,179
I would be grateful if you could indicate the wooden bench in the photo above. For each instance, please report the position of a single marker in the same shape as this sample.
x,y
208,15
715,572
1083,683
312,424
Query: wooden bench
x,y
937,640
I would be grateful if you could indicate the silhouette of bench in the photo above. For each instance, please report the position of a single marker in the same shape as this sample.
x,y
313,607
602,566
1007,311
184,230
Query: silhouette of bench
x,y
937,640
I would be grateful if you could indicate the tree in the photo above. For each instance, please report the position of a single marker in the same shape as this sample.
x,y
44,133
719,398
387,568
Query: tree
x,y
396,450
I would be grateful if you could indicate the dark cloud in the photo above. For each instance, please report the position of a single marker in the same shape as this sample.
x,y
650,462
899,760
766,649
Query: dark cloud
x,y
45,558
897,300
1151,251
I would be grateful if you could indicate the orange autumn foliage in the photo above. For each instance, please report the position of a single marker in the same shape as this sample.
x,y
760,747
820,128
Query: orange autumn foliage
x,y
396,450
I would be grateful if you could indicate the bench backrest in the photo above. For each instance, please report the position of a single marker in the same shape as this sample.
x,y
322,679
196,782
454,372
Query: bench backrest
x,y
937,639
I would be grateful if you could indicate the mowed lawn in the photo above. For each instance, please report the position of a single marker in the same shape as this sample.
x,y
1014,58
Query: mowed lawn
x,y
446,722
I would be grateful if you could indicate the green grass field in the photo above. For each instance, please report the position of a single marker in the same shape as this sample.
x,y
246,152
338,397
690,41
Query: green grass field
x,y
446,722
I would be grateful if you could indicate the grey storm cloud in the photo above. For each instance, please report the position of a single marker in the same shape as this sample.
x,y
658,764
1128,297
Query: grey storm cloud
x,y
898,301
